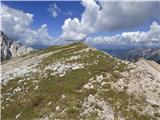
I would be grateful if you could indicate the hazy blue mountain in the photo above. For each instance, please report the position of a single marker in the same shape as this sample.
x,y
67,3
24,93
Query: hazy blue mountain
x,y
133,54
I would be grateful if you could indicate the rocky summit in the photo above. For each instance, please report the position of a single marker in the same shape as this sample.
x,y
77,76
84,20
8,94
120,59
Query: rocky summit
x,y
76,82
10,48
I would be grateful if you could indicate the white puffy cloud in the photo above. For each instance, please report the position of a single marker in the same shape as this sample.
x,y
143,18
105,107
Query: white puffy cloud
x,y
16,25
71,28
53,9
14,21
150,38
109,16
38,37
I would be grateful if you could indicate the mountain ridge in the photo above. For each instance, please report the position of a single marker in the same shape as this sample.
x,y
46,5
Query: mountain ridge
x,y
78,82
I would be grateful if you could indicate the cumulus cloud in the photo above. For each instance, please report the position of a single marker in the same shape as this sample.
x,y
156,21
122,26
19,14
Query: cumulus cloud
x,y
150,38
54,10
71,29
109,16
17,25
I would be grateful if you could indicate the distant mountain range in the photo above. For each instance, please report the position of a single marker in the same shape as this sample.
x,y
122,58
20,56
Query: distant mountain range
x,y
10,48
133,54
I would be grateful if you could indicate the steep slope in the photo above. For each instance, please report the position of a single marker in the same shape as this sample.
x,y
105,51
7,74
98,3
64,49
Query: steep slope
x,y
150,66
11,48
75,82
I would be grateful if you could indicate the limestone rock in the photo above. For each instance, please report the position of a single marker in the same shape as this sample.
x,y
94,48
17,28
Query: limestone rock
x,y
11,48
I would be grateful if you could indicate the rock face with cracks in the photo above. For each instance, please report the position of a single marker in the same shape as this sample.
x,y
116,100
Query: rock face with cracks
x,y
11,49
76,82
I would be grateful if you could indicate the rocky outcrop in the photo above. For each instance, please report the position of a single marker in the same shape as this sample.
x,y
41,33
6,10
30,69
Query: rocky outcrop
x,y
11,48
150,66
5,52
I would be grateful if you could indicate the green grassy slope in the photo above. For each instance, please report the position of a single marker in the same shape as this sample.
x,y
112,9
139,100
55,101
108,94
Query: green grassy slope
x,y
47,95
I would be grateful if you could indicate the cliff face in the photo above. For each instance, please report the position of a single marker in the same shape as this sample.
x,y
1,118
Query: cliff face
x,y
11,49
75,82
5,52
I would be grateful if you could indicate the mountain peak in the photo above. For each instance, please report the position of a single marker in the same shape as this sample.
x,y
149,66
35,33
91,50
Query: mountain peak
x,y
11,48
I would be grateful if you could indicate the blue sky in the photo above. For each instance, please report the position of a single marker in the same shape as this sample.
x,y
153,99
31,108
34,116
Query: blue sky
x,y
79,20
42,15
